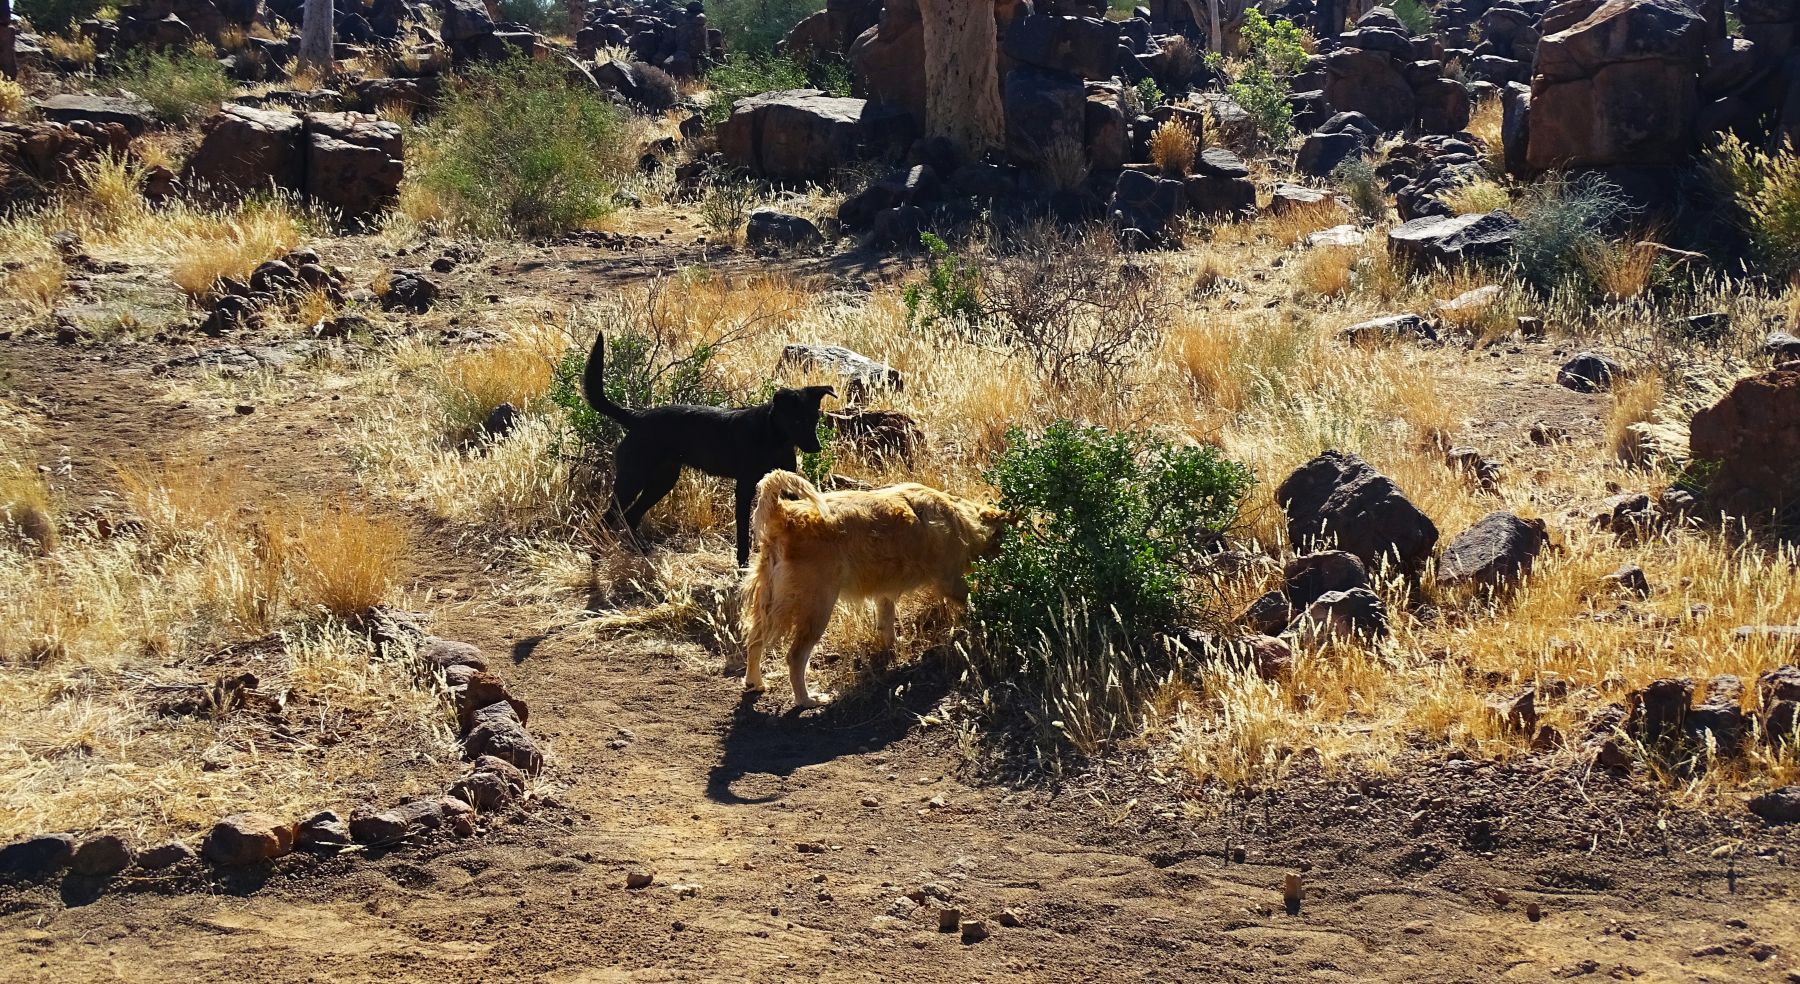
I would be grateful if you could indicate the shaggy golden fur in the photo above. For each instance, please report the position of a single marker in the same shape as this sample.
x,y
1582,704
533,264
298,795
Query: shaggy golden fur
x,y
815,548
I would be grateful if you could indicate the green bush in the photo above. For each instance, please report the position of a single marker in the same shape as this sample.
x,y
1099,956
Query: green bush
x,y
1415,16
950,292
755,26
181,87
1274,49
746,74
1356,178
55,16
542,16
1563,222
519,149
636,376
1764,192
1092,570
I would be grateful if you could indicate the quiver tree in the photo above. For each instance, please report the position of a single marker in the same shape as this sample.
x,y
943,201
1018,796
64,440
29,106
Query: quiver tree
x,y
962,76
316,36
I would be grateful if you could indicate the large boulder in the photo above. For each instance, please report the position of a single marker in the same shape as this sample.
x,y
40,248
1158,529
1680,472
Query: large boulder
x,y
1084,46
1753,436
1368,82
1454,239
1340,500
1616,82
888,61
465,20
354,163
794,134
130,112
38,158
245,150
1046,114
1494,553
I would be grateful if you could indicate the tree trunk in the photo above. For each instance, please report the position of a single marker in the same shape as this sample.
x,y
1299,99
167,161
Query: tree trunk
x,y
1215,32
962,77
316,36
9,53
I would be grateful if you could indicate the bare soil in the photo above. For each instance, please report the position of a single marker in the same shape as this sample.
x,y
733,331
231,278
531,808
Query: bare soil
x,y
781,844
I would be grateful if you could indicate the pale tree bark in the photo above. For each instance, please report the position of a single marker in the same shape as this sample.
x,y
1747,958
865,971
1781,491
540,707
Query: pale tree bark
x,y
9,52
962,76
316,36
1222,20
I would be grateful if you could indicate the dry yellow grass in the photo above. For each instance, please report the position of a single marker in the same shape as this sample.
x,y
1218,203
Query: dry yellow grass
x,y
1173,147
27,520
12,99
1486,121
1328,271
112,649
1472,197
78,51
1634,405
1623,270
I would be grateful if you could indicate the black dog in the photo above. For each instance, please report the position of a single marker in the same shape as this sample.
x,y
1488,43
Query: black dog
x,y
743,444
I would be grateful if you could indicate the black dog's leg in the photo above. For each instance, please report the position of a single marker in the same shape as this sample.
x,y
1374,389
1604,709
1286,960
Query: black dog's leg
x,y
746,498
658,481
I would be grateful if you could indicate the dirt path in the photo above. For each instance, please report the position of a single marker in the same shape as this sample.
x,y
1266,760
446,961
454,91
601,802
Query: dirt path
x,y
657,764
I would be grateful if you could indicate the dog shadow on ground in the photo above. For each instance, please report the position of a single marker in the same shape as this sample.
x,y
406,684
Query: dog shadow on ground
x,y
880,710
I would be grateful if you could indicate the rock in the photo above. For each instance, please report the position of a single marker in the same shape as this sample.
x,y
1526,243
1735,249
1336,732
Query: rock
x,y
768,227
490,784
1354,615
1269,614
100,857
244,150
480,690
247,838
1218,162
130,112
877,434
1720,714
1368,82
445,653
1782,346
793,135
1778,805
1452,240
1009,918
859,374
1589,372
165,856
1344,236
354,164
1471,464
1630,579
1270,657
973,931
1388,329
392,826
635,880
1286,198
1616,83
1496,552
1659,711
1085,46
496,730
324,829
1046,115
1778,700
1147,203
1753,436
949,920
409,290
1339,497
500,421
458,816
1213,195
35,857
1321,153
465,20
1443,106
1518,713
1315,574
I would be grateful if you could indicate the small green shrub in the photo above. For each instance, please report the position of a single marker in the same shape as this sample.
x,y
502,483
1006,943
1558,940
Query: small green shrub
x,y
1764,192
1274,50
1356,177
519,149
1563,221
181,87
1415,17
51,16
542,16
756,26
636,376
1091,570
746,74
1147,96
950,292
725,206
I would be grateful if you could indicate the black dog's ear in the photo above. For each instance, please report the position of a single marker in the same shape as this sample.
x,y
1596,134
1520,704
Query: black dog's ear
x,y
818,393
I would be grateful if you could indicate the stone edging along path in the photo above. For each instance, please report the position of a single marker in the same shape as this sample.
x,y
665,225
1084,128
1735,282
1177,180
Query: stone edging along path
x,y
490,722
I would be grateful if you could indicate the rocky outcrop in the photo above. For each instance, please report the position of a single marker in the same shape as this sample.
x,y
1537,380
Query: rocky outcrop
x,y
1753,436
1616,83
36,159
1496,552
350,163
1340,500
794,135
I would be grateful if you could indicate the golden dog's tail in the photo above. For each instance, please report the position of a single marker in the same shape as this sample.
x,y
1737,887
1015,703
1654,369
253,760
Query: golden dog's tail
x,y
781,497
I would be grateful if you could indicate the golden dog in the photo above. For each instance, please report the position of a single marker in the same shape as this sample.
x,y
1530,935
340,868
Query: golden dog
x,y
814,548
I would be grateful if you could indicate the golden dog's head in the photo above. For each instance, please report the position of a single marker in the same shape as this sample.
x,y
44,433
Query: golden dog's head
x,y
993,522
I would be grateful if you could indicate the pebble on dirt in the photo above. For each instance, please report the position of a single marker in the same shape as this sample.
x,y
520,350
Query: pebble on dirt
x,y
635,880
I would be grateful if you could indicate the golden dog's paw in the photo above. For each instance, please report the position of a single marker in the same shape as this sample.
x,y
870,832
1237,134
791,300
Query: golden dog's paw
x,y
813,700
753,686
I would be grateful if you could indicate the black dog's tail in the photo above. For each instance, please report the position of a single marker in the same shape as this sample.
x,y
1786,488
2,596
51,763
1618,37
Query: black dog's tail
x,y
593,386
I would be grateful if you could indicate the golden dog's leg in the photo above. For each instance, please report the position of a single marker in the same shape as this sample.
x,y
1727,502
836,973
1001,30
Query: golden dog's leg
x,y
807,635
753,678
884,623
